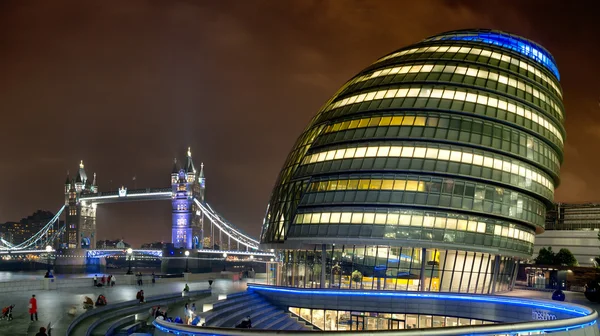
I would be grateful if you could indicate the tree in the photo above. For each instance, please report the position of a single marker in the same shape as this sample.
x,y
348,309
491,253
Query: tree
x,y
565,257
545,257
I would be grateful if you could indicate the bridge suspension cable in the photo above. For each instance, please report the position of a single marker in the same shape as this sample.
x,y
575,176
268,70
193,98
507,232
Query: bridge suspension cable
x,y
40,237
226,227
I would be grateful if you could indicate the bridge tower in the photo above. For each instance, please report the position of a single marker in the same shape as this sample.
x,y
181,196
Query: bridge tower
x,y
187,183
80,216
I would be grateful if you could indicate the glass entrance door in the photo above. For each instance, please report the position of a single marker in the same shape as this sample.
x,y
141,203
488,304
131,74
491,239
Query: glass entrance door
x,y
358,322
396,324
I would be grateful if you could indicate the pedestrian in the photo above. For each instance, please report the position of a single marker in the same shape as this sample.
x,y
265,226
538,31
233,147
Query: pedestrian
x,y
141,296
95,279
33,308
112,281
153,278
194,308
103,280
108,281
42,332
141,279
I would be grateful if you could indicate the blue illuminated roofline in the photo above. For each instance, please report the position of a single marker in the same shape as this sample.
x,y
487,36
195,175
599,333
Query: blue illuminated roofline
x,y
567,308
523,46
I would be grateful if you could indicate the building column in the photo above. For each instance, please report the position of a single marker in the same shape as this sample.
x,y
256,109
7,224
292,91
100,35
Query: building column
x,y
422,275
323,264
514,275
495,273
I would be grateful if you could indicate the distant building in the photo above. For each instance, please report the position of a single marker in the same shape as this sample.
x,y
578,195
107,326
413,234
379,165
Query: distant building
x,y
112,244
575,227
155,245
18,232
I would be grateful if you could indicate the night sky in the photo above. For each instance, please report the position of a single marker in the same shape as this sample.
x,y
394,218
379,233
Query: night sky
x,y
128,85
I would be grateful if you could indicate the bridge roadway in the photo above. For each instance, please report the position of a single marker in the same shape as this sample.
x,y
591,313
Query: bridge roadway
x,y
53,305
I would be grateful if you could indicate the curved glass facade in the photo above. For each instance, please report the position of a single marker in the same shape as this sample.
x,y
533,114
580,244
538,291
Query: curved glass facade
x,y
429,170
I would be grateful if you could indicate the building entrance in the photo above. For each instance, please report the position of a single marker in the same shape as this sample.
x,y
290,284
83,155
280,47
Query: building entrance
x,y
358,322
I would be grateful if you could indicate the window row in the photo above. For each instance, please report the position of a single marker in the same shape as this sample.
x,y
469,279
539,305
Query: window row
x,y
512,206
397,268
514,43
445,106
430,185
470,71
420,220
425,168
353,320
461,124
479,52
461,156
454,95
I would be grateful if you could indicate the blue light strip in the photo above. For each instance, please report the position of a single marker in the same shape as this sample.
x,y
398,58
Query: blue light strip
x,y
506,41
511,332
581,311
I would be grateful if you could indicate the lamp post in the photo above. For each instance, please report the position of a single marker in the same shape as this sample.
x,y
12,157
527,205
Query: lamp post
x,y
187,254
130,254
224,261
48,250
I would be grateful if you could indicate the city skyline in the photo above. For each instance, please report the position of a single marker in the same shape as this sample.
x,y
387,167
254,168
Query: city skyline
x,y
226,83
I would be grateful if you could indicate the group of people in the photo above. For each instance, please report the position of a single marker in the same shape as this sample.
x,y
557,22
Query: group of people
x,y
89,303
104,280
140,296
7,313
140,278
189,313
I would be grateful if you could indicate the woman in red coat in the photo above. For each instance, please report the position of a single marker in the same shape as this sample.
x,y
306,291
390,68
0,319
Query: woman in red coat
x,y
33,307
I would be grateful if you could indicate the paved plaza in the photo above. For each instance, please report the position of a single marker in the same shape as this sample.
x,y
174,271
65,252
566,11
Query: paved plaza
x,y
53,305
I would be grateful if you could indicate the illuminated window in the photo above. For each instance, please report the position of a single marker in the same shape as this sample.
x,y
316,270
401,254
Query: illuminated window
x,y
445,155
416,220
459,95
486,53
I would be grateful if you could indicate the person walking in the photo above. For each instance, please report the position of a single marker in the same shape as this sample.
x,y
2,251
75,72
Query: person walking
x,y
33,308
95,279
108,280
103,280
153,278
112,281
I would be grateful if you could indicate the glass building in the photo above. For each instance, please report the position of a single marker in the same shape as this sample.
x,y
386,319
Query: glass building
x,y
429,170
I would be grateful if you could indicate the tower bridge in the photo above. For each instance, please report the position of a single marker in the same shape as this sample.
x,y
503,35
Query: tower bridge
x,y
195,224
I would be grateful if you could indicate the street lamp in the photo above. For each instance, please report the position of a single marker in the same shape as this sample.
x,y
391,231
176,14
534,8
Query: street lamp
x,y
130,254
187,254
224,261
48,250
